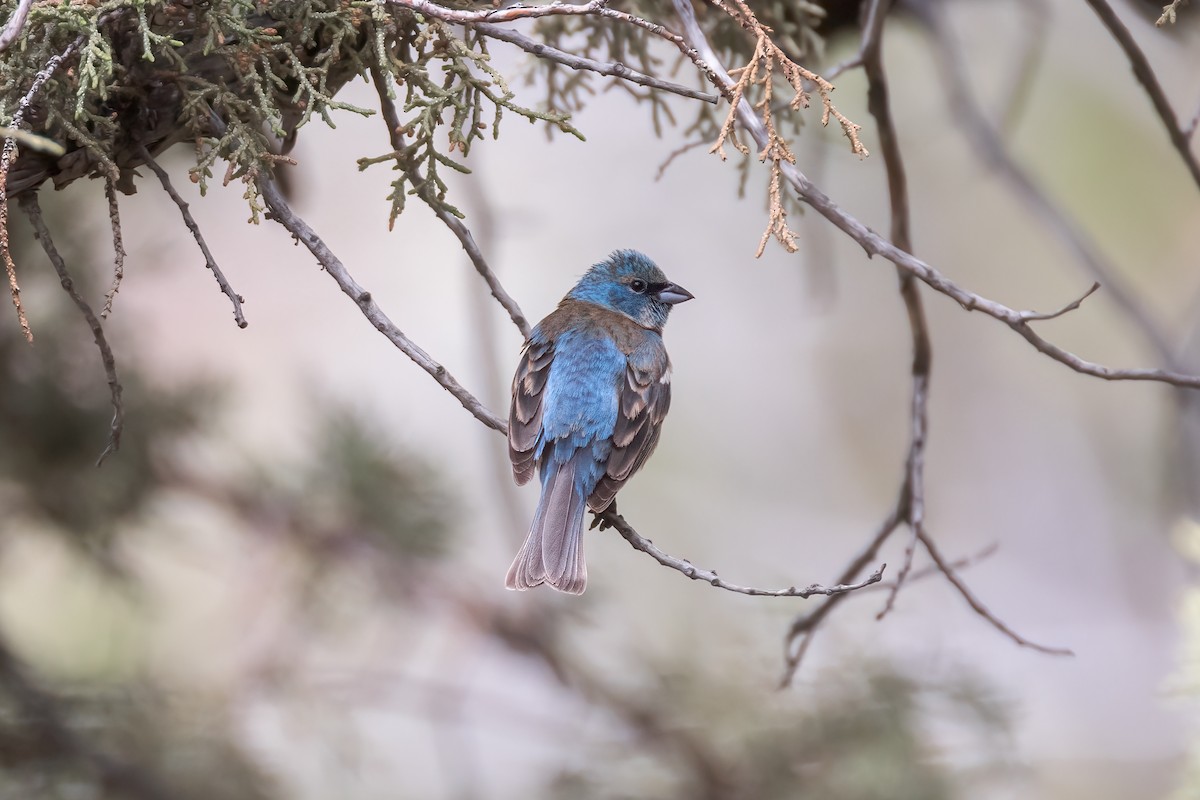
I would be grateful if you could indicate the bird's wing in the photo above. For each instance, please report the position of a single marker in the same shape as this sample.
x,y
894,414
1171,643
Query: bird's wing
x,y
525,416
645,396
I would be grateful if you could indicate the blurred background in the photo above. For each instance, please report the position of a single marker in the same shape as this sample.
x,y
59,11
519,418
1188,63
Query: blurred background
x,y
288,583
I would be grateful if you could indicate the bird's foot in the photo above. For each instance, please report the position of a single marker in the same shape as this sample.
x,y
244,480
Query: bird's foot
x,y
600,520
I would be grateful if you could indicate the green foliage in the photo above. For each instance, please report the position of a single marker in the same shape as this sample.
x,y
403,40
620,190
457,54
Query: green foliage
x,y
235,77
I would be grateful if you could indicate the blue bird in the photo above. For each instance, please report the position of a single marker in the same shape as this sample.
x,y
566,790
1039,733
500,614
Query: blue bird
x,y
588,401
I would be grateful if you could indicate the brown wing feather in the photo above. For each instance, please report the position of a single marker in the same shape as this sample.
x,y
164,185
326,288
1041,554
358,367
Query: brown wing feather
x,y
645,399
525,415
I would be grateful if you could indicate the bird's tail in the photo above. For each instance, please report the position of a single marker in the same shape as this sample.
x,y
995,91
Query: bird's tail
x,y
553,550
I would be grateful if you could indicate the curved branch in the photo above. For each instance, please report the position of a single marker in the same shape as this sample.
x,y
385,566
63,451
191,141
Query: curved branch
x,y
391,118
282,213
639,542
874,244
33,210
613,69
1145,75
190,221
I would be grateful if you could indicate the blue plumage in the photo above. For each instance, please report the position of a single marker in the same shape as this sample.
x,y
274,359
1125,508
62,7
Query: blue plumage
x,y
589,398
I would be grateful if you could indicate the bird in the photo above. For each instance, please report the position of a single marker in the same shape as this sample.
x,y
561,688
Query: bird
x,y
588,401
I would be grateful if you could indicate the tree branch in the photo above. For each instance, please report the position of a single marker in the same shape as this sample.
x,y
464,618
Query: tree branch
x,y
392,119
8,155
15,24
1145,75
948,570
613,68
688,569
282,213
879,104
190,221
33,210
874,244
592,8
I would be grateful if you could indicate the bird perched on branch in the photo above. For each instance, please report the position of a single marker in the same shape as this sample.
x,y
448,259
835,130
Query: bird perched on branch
x,y
589,398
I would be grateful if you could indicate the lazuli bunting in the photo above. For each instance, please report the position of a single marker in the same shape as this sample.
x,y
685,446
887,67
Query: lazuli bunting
x,y
588,401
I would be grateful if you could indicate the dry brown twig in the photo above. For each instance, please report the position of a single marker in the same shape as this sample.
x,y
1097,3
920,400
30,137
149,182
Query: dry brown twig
x,y
1168,12
768,60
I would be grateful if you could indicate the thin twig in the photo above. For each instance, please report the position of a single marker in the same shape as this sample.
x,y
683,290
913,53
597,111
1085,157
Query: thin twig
x,y
15,24
1145,75
948,570
8,155
392,119
1034,36
10,268
640,542
676,153
282,213
879,104
990,148
114,220
1031,316
613,68
874,244
190,221
591,8
800,632
33,210
930,570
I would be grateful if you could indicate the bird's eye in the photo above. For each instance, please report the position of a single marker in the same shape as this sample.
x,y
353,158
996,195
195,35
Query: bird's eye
x,y
638,286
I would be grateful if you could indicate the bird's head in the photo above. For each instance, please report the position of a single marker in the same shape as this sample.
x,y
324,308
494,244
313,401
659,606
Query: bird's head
x,y
631,284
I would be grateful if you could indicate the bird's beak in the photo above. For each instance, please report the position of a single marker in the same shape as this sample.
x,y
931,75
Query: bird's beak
x,y
673,293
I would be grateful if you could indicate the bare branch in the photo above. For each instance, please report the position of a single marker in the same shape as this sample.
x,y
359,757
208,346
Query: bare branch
x,y
429,9
592,8
1022,79
613,68
688,569
190,221
15,24
982,135
874,244
674,154
282,213
1031,316
114,219
948,570
1145,75
800,632
33,210
879,103
932,569
392,119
